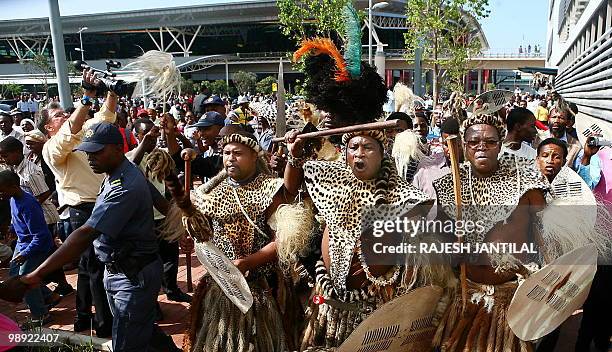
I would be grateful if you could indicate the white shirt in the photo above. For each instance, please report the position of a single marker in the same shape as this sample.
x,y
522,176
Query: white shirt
x,y
533,105
390,105
32,105
526,151
14,133
23,106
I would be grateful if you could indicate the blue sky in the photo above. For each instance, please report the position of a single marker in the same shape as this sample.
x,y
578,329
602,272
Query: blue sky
x,y
510,24
516,22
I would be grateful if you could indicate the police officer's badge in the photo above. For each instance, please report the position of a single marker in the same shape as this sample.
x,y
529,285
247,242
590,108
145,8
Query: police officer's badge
x,y
89,133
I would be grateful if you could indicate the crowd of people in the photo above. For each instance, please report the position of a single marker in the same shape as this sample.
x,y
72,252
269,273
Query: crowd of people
x,y
101,187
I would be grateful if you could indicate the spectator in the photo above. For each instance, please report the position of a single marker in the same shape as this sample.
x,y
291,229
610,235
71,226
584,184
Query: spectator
x,y
214,103
243,114
557,124
129,141
22,105
31,176
263,132
80,186
6,127
17,117
27,125
35,140
198,102
33,242
541,112
572,120
438,119
421,127
521,132
32,105
147,134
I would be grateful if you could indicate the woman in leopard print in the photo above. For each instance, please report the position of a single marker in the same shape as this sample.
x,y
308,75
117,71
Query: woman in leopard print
x,y
343,192
504,196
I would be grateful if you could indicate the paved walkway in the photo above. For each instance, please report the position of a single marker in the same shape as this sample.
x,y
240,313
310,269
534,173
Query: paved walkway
x,y
175,314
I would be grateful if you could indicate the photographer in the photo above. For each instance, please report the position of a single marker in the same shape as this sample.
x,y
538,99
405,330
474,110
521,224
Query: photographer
x,y
590,167
79,186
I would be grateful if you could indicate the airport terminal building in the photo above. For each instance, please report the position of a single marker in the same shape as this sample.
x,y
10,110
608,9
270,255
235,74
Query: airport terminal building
x,y
213,41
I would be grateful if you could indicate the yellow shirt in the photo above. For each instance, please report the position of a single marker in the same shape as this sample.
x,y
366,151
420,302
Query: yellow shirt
x,y
239,116
77,182
541,114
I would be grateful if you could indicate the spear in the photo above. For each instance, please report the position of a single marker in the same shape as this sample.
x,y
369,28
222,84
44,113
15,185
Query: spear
x,y
281,122
453,148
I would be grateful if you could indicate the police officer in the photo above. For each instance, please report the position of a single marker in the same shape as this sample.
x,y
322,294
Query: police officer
x,y
121,229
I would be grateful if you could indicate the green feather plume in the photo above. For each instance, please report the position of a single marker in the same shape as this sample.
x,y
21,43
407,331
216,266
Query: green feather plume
x,y
352,31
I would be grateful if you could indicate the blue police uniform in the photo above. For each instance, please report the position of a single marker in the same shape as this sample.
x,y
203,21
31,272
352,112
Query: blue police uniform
x,y
123,215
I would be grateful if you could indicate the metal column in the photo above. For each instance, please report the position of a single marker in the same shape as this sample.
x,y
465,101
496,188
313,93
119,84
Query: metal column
x,y
59,55
418,73
227,76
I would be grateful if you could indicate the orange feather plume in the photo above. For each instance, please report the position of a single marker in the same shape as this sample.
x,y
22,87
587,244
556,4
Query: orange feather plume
x,y
325,46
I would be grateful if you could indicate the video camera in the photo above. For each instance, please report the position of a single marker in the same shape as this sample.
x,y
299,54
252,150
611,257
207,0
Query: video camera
x,y
598,142
107,79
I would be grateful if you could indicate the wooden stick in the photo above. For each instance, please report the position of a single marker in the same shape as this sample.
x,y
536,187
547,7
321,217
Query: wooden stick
x,y
453,149
343,130
187,193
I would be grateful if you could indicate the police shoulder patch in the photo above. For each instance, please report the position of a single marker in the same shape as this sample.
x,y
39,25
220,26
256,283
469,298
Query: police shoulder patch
x,y
115,183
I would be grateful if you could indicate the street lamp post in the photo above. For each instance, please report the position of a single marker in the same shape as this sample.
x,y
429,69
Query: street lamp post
x,y
370,33
379,5
81,42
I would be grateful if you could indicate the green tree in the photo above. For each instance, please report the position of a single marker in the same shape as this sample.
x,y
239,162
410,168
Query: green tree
x,y
265,85
443,30
245,81
44,68
187,86
218,87
10,90
41,65
300,19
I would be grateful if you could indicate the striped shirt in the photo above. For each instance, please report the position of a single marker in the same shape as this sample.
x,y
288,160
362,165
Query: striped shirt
x,y
32,180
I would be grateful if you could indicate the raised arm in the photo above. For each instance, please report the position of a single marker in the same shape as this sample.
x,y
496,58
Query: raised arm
x,y
194,221
294,175
146,146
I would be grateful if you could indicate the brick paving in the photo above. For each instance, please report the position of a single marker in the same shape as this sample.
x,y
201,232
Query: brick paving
x,y
175,314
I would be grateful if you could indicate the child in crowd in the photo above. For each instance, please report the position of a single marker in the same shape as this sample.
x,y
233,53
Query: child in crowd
x,y
33,241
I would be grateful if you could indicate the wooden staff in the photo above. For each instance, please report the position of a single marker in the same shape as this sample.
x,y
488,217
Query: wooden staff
x,y
188,155
348,129
453,148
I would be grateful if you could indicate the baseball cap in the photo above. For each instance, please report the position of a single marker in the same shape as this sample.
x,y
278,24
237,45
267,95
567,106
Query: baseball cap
x,y
213,100
211,118
99,135
243,100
